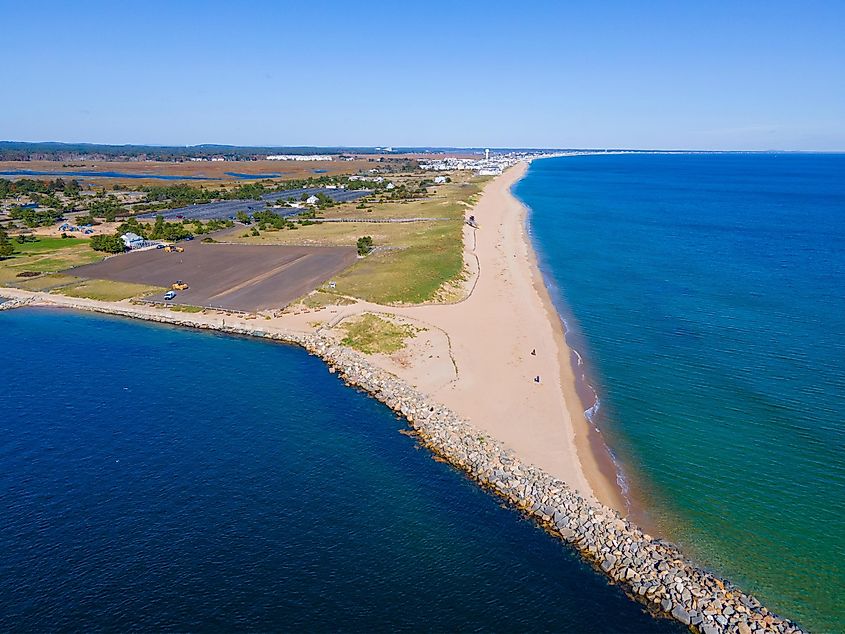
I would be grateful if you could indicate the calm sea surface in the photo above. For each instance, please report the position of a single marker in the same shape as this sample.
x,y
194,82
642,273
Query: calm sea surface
x,y
706,294
153,478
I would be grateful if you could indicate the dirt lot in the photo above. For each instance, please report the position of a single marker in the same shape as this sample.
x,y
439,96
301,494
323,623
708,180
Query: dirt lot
x,y
230,276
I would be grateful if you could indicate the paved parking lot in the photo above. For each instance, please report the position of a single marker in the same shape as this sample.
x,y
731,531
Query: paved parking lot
x,y
230,276
228,208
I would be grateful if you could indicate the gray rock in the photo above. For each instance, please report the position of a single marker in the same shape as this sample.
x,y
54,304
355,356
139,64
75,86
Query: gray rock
x,y
680,614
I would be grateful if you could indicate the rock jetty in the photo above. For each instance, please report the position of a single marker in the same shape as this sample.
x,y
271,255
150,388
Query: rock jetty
x,y
652,571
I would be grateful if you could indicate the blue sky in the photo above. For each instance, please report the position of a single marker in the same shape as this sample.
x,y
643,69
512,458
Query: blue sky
x,y
700,75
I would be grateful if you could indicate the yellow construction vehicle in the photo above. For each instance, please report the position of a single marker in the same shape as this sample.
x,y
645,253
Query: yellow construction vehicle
x,y
179,285
173,248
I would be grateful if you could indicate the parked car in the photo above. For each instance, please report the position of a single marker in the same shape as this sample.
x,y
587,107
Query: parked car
x,y
169,295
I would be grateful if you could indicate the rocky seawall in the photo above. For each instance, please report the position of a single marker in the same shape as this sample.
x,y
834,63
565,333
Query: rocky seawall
x,y
652,571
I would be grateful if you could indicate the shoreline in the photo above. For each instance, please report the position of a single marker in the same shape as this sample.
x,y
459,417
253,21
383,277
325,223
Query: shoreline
x,y
651,571
601,471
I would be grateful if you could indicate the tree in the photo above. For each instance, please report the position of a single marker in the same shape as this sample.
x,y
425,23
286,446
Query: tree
x,y
108,244
158,228
6,246
365,245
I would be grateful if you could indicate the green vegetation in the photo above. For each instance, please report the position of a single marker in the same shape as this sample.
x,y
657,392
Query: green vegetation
x,y
44,255
160,230
320,299
106,290
179,308
107,243
416,262
365,245
105,208
45,282
6,246
35,217
9,188
208,227
373,334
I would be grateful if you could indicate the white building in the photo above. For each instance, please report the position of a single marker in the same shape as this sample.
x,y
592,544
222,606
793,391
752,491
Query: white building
x,y
312,200
439,180
133,241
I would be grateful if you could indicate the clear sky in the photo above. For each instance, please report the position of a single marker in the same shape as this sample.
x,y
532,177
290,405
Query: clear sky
x,y
676,74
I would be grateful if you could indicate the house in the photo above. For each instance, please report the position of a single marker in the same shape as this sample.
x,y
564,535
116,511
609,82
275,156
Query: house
x,y
133,240
312,200
439,180
390,186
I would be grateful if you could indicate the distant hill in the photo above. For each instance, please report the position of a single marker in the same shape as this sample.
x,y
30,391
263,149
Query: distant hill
x,y
50,150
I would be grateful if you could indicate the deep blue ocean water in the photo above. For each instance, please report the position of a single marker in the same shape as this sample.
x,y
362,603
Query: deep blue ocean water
x,y
154,478
706,294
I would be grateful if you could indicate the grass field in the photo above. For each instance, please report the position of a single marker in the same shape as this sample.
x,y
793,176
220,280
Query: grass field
x,y
106,290
372,334
415,261
46,256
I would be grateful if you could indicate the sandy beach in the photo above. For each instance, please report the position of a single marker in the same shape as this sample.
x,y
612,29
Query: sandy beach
x,y
493,332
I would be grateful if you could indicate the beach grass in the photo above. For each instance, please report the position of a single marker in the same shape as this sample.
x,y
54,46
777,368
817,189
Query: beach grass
x,y
372,334
320,299
180,308
106,290
46,282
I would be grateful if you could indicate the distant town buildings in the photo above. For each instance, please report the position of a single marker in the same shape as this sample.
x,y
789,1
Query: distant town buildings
x,y
490,165
299,157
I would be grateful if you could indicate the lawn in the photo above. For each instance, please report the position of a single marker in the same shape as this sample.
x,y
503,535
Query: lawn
x,y
106,290
46,256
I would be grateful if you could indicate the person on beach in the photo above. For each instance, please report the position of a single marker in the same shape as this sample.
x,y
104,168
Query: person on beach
x,y
537,379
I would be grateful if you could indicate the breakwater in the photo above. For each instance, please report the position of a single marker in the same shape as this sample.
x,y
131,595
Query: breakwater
x,y
652,571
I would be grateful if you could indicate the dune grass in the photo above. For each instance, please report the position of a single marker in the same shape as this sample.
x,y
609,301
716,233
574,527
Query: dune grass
x,y
185,308
372,334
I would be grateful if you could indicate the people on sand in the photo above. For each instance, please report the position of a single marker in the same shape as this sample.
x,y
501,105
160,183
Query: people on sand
x,y
534,352
537,379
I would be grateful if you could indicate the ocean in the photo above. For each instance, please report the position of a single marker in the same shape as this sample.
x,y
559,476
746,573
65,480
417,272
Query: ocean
x,y
705,294
156,478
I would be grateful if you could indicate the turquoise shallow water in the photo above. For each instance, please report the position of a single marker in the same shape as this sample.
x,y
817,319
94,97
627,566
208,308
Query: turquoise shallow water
x,y
706,294
160,479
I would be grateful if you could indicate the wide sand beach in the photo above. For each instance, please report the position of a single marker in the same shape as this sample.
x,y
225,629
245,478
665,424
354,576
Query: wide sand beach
x,y
504,335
